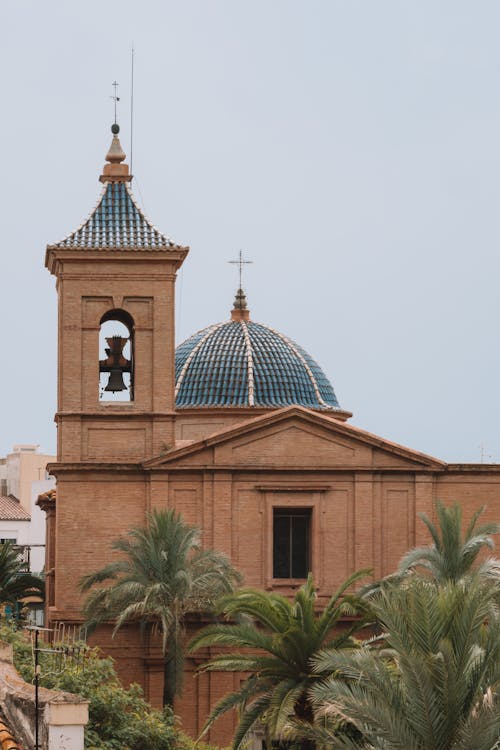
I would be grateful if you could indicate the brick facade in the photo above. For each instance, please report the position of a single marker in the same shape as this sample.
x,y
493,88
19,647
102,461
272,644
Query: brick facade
x,y
224,470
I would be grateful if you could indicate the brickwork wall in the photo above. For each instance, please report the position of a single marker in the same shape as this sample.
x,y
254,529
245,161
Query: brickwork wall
x,y
364,494
473,489
88,427
92,511
363,515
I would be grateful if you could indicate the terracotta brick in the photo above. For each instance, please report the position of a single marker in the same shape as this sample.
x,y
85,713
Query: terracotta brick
x,y
117,461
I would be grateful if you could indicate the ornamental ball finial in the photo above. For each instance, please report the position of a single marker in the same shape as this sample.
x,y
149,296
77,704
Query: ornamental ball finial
x,y
115,128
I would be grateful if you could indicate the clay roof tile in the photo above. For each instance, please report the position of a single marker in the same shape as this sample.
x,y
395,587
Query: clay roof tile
x,y
12,510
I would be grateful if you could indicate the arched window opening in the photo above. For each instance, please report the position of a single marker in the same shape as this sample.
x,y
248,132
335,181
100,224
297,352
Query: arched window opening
x,y
116,357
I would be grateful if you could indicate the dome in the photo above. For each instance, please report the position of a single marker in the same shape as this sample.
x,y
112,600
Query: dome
x,y
240,363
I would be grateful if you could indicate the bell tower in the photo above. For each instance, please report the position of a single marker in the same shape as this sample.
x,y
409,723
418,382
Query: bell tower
x,y
115,283
115,277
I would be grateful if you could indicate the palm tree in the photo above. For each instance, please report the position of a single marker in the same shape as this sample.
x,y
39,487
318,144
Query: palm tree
x,y
15,583
282,636
452,556
163,576
434,685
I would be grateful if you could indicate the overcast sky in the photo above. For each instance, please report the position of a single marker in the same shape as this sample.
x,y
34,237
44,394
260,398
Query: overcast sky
x,y
350,148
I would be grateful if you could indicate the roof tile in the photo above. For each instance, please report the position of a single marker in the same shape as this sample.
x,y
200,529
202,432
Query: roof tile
x,y
12,510
116,222
248,364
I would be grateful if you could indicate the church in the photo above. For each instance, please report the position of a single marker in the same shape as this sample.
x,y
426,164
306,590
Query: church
x,y
238,429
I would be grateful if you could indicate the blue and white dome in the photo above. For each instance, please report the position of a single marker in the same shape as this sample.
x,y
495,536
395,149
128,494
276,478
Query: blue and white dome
x,y
240,363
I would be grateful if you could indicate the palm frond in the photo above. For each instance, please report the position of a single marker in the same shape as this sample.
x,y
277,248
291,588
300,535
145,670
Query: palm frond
x,y
282,636
162,576
15,582
427,690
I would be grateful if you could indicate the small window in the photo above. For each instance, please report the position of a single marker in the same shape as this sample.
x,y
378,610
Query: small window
x,y
291,542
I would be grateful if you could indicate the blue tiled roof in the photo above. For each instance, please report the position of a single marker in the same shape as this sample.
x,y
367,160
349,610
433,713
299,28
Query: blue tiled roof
x,y
117,221
242,363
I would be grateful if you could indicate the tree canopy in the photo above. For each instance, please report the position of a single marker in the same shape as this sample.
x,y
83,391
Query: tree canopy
x,y
274,639
432,681
163,576
454,553
15,583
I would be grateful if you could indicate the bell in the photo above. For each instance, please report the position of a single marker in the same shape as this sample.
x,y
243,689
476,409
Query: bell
x,y
115,382
115,363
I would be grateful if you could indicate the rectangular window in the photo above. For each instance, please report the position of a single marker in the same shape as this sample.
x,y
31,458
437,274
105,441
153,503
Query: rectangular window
x,y
291,542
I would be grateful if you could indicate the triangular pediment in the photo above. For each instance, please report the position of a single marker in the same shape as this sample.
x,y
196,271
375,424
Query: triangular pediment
x,y
290,443
295,437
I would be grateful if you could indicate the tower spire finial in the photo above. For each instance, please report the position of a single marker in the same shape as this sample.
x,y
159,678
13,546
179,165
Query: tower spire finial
x,y
240,262
115,98
115,170
240,300
239,311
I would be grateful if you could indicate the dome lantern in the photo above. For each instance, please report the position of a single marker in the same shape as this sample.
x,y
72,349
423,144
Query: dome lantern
x,y
115,170
239,311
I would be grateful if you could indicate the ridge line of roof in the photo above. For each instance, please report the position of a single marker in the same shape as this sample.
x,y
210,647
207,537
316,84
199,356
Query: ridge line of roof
x,y
311,415
251,380
302,359
144,216
80,226
193,352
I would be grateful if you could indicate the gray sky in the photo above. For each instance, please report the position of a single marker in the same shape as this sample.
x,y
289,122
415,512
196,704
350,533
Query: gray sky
x,y
351,149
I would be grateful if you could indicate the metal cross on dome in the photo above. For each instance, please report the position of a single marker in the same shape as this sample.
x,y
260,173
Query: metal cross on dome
x,y
240,262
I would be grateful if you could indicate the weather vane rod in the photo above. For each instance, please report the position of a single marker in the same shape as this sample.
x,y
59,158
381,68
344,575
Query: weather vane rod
x,y
240,262
115,96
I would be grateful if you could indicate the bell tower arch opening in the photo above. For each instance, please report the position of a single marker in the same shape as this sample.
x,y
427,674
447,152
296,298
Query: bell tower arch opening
x,y
116,357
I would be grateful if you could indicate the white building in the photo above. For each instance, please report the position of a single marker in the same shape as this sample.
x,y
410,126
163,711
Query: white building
x,y
15,521
23,476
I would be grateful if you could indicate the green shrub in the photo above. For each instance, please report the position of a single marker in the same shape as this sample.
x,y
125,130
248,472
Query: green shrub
x,y
187,743
119,718
23,654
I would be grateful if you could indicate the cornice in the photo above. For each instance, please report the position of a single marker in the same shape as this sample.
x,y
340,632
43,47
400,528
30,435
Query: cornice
x,y
55,257
236,468
114,411
63,467
473,468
